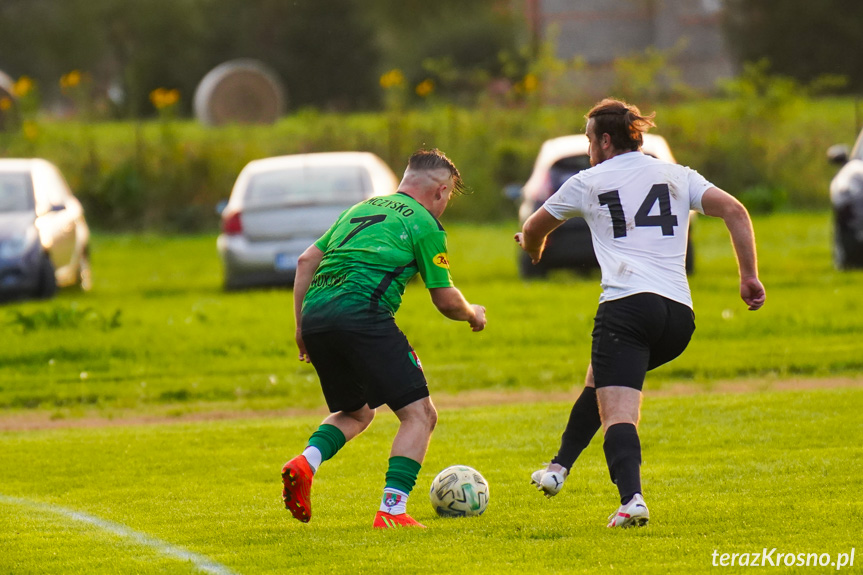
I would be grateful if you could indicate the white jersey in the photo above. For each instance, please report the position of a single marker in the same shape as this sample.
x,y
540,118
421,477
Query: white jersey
x,y
637,208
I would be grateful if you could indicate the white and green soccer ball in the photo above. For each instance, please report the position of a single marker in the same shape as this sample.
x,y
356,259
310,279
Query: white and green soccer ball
x,y
459,491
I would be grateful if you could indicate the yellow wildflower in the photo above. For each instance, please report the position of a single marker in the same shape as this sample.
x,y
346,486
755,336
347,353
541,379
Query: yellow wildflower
x,y
5,103
425,88
392,78
23,86
70,80
531,83
171,97
162,98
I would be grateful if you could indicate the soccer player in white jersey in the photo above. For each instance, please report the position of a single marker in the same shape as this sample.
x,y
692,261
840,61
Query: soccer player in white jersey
x,y
637,208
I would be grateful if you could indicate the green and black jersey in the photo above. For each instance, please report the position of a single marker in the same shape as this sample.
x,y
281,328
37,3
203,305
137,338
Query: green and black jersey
x,y
370,254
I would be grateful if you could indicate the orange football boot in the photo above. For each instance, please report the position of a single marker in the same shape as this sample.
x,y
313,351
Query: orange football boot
x,y
297,480
384,520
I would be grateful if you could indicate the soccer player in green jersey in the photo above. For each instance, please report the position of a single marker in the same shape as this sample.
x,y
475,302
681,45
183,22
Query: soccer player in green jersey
x,y
348,287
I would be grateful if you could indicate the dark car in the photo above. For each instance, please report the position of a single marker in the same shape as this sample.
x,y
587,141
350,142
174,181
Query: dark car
x,y
846,196
44,239
570,245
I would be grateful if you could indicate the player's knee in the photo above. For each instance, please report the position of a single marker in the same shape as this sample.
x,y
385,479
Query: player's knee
x,y
588,379
616,418
370,417
431,416
364,417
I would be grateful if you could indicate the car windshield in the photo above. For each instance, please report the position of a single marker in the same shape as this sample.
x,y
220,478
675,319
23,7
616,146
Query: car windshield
x,y
565,168
16,192
309,184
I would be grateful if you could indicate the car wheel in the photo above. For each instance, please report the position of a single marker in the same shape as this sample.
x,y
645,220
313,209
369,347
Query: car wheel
x,y
85,274
840,252
230,284
527,270
840,260
47,280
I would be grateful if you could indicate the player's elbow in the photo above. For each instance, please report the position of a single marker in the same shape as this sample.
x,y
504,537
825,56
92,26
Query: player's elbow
x,y
537,227
448,301
735,211
309,259
720,204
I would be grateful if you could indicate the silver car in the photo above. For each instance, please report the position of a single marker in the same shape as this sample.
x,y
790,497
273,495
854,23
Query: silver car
x,y
280,206
44,238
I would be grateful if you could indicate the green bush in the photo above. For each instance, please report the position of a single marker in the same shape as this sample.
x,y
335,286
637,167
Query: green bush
x,y
169,175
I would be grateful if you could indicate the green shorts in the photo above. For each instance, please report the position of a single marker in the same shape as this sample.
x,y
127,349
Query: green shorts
x,y
373,368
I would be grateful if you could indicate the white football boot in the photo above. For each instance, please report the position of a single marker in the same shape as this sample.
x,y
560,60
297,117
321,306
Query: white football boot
x,y
549,482
633,514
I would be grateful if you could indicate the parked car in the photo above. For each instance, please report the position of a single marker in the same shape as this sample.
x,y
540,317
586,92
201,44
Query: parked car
x,y
570,245
846,195
44,238
280,206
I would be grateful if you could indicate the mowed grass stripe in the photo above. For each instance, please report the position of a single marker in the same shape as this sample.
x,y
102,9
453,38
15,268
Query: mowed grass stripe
x,y
730,472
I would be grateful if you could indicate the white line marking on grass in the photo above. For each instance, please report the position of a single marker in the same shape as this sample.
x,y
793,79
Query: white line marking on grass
x,y
199,561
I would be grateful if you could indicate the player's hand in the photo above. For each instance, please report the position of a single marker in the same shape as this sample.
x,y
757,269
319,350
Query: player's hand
x,y
752,293
304,355
478,322
535,255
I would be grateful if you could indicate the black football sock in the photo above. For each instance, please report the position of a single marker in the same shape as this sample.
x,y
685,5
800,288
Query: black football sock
x,y
582,426
623,455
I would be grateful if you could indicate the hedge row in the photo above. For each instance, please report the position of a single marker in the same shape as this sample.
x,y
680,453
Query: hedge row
x,y
169,175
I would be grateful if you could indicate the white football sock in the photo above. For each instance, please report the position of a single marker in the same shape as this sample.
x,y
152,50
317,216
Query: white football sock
x,y
314,457
394,501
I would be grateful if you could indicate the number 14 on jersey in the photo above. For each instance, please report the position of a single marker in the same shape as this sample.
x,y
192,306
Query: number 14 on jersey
x,y
658,193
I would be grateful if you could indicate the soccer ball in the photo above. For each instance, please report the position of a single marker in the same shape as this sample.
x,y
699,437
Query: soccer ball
x,y
459,491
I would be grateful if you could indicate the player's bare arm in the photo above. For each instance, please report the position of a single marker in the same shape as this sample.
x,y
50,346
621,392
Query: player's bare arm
x,y
721,204
536,228
307,265
452,304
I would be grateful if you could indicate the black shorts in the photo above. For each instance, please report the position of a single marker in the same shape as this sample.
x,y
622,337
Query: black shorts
x,y
373,368
635,334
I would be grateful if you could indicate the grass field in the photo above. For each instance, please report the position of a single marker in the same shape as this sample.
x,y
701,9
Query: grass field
x,y
86,487
157,332
733,473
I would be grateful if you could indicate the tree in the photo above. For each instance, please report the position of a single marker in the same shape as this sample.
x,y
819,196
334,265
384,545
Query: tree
x,y
801,38
456,44
323,50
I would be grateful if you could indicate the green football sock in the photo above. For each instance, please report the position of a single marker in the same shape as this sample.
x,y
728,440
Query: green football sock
x,y
402,473
328,439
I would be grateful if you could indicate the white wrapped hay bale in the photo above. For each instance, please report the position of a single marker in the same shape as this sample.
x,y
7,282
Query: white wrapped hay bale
x,y
241,91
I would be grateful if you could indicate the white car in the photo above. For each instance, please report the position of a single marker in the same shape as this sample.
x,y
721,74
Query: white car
x,y
44,238
570,245
280,206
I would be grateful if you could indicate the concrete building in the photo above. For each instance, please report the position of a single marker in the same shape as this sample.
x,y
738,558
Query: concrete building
x,y
599,31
